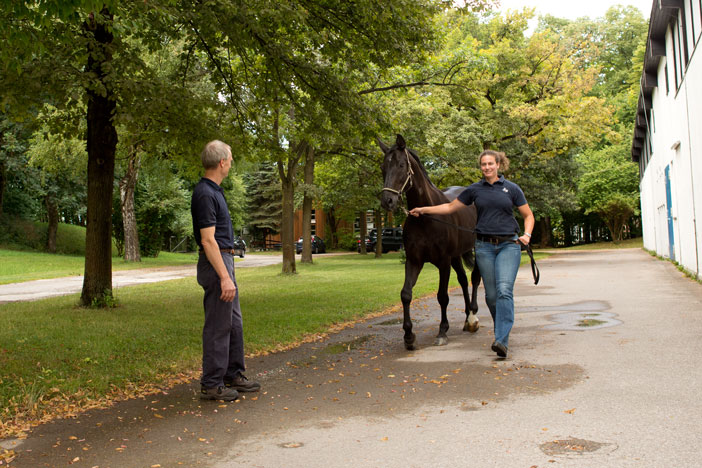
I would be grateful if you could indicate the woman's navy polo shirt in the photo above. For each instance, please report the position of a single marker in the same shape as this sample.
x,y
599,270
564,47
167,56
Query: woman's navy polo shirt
x,y
495,203
208,208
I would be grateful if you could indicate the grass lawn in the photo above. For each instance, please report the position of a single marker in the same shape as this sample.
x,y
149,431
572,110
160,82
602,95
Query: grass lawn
x,y
636,242
17,266
56,357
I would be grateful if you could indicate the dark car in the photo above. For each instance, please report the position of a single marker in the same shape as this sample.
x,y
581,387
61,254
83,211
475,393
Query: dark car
x,y
317,245
392,240
240,247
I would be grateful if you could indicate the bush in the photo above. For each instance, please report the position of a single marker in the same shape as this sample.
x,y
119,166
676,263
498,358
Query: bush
x,y
347,240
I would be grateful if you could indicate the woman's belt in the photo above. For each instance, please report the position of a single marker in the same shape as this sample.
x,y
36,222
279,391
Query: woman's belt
x,y
495,239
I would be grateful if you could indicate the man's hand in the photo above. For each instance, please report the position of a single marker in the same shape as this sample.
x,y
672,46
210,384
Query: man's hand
x,y
228,290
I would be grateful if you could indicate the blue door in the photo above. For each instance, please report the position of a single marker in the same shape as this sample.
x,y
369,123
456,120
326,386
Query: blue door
x,y
669,206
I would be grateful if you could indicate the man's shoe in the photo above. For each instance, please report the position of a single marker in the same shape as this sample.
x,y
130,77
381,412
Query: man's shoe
x,y
499,348
219,393
242,384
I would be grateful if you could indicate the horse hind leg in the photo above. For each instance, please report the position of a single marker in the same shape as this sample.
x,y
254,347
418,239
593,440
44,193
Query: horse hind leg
x,y
472,324
443,298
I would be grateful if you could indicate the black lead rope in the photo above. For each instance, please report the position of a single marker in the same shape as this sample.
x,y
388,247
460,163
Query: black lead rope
x,y
534,269
527,247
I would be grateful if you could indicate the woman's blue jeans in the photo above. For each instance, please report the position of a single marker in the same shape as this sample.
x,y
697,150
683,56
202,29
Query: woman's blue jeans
x,y
498,267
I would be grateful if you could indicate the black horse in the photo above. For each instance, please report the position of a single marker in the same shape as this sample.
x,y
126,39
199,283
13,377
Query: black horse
x,y
427,239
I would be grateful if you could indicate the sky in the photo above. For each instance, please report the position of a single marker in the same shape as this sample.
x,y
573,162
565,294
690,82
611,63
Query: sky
x,y
573,9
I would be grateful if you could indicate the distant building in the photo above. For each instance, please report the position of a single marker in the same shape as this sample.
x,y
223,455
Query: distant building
x,y
668,133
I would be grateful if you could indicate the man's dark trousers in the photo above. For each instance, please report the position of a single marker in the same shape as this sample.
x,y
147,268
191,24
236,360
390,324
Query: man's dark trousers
x,y
222,335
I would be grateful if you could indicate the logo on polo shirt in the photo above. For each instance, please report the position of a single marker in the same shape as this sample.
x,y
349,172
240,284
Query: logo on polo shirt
x,y
505,190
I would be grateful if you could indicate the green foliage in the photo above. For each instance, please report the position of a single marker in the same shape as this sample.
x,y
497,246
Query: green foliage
x,y
161,201
608,185
19,183
263,207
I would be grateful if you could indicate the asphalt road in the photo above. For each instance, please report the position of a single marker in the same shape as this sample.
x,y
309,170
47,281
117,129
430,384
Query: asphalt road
x,y
602,372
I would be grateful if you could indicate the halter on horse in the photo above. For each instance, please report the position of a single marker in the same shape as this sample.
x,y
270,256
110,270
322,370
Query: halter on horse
x,y
425,240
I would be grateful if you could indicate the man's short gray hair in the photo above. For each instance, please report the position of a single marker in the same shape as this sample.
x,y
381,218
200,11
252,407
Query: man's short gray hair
x,y
214,152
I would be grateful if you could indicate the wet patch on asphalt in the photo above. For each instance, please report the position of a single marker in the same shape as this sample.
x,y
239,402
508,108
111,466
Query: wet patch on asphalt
x,y
583,321
576,448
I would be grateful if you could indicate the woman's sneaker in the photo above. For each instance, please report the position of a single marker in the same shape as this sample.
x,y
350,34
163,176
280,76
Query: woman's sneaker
x,y
218,393
242,384
499,348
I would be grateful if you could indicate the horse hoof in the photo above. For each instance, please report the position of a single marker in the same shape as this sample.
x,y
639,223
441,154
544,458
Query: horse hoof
x,y
440,341
410,346
471,327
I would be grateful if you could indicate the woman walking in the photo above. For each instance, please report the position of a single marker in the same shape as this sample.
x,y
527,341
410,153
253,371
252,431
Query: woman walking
x,y
497,248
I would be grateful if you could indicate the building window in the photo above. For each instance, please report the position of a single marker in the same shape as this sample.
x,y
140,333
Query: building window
x,y
673,43
665,70
689,6
370,219
682,25
697,13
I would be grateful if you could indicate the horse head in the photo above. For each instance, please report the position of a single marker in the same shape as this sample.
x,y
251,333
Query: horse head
x,y
397,173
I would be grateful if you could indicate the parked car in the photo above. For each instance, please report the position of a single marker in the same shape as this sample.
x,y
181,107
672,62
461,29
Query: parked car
x,y
317,245
392,240
240,247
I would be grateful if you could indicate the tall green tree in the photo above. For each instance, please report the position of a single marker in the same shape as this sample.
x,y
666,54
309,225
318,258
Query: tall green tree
x,y
608,185
263,207
78,54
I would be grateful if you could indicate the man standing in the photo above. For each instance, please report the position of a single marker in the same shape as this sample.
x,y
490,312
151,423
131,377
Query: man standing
x,y
222,334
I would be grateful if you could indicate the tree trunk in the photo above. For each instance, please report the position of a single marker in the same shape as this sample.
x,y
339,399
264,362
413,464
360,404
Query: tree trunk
x,y
127,185
3,178
101,146
52,218
307,207
287,224
567,230
363,227
333,227
379,231
546,238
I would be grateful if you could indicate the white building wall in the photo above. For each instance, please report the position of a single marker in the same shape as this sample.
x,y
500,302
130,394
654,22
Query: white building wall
x,y
676,139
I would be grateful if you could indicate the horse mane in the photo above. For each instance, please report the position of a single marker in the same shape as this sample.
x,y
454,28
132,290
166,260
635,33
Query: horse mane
x,y
415,156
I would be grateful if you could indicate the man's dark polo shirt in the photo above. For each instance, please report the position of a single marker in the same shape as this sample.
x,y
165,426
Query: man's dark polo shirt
x,y
209,208
495,203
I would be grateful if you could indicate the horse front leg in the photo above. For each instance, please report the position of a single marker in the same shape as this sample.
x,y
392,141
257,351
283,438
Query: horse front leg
x,y
443,298
475,281
471,324
411,273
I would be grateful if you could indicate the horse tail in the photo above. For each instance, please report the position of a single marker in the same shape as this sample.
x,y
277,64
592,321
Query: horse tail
x,y
469,259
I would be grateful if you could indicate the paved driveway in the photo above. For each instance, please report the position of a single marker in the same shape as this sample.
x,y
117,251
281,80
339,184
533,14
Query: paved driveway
x,y
602,372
